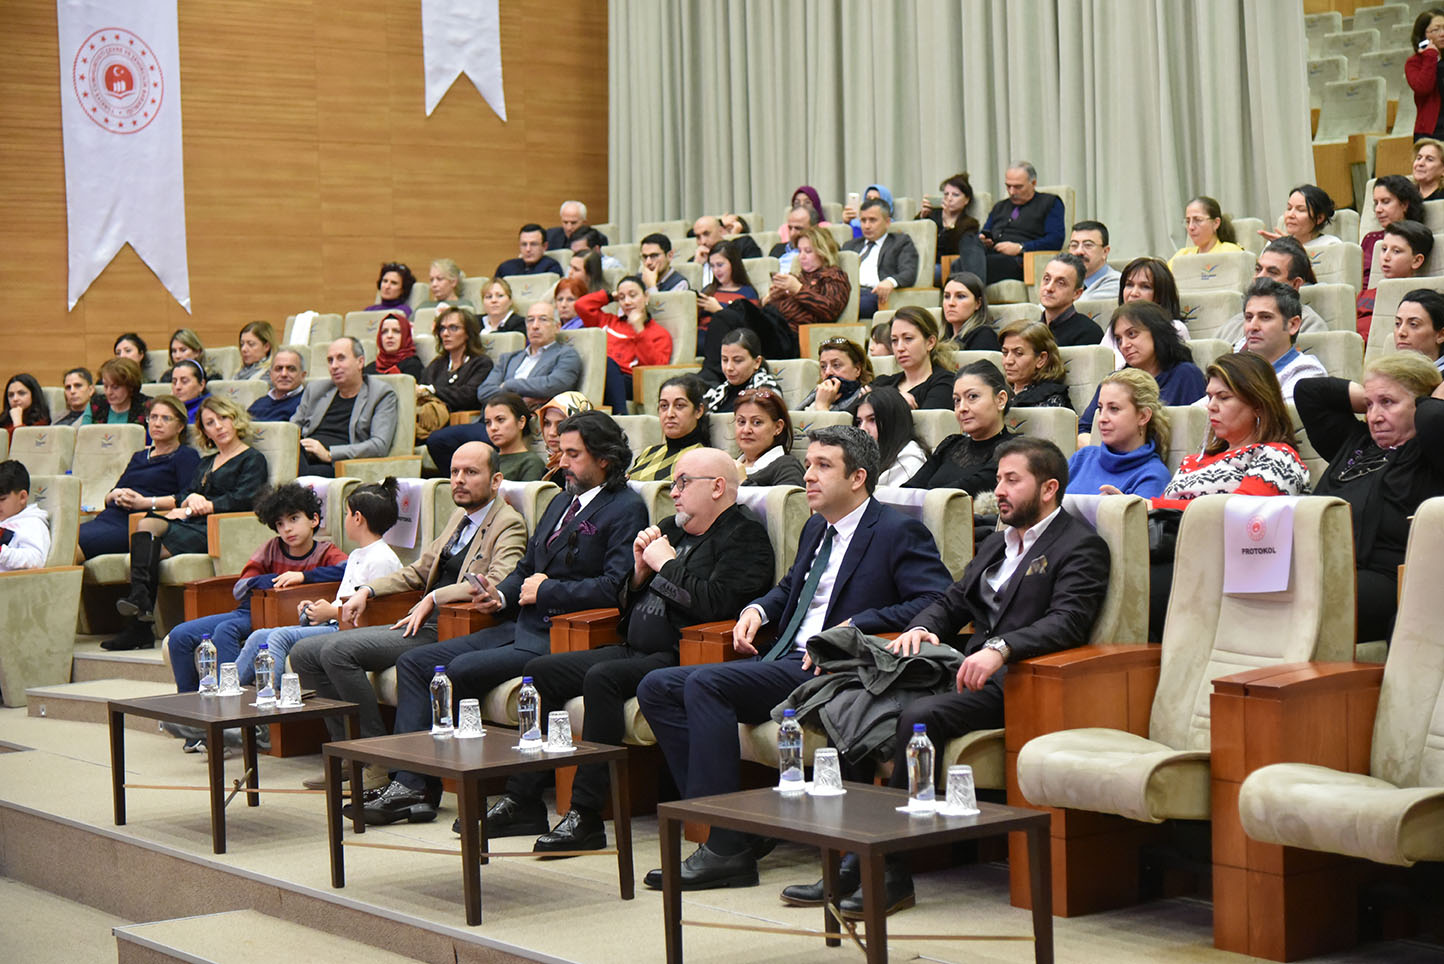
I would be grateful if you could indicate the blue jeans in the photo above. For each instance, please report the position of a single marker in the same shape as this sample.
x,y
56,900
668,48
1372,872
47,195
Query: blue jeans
x,y
279,640
226,629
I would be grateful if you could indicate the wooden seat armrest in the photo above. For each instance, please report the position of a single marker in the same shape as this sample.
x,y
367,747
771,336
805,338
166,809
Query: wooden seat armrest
x,y
1107,685
208,597
385,610
459,619
132,523
1320,713
463,418
272,607
707,643
1030,262
586,629
18,573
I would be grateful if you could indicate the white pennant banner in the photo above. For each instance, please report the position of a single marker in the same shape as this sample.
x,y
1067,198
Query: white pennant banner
x,y
462,37
121,121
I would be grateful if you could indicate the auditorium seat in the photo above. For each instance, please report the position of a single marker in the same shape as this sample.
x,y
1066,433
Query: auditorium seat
x,y
1014,292
1056,425
1310,456
962,359
1387,296
924,235
1382,18
932,425
1336,302
38,606
849,262
1215,271
797,376
1350,108
647,382
1433,265
1341,352
224,362
324,329
156,389
425,347
1247,230
157,363
1206,312
805,421
1086,367
528,289
1351,45
1325,70
101,454
44,449
498,343
591,344
948,515
676,311
811,337
1338,264
1152,765
760,270
642,431
683,251
400,460
630,255
362,326
658,498
1369,785
674,229
1319,25
562,256
1099,309
1206,350
243,393
1004,315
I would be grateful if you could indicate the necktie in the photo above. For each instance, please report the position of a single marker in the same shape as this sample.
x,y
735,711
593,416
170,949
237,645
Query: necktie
x,y
456,538
804,599
867,250
1016,212
566,519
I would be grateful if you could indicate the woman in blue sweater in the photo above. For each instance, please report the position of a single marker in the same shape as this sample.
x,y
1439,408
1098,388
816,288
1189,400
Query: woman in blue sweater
x,y
1133,431
1148,341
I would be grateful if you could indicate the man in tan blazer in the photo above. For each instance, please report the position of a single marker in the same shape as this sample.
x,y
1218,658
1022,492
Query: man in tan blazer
x,y
484,536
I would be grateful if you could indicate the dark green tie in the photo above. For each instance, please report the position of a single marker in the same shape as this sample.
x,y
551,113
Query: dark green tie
x,y
804,599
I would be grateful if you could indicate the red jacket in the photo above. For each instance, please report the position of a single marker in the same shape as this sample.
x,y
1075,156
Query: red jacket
x,y
625,345
1421,70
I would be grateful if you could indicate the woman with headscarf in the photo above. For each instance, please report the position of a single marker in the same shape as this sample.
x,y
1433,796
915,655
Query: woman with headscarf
x,y
552,414
395,349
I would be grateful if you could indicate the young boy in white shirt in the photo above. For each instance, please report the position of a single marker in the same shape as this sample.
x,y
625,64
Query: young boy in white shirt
x,y
371,510
24,528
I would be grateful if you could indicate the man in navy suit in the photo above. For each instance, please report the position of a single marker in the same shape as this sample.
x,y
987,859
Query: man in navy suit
x,y
579,557
886,261
858,562
1034,588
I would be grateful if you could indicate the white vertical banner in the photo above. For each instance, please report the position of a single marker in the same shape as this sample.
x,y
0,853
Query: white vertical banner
x,y
120,117
462,37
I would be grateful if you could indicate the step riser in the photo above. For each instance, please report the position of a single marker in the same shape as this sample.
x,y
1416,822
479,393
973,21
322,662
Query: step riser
x,y
82,711
128,952
86,668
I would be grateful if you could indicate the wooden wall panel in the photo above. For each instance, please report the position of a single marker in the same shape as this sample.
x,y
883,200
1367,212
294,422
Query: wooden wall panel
x,y
308,162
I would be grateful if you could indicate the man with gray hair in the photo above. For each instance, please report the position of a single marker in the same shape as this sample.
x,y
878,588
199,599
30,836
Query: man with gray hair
x,y
859,562
698,566
351,417
573,215
1026,220
288,380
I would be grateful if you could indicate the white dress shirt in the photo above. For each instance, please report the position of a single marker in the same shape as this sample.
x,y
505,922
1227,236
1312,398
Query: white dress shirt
x,y
867,266
1016,544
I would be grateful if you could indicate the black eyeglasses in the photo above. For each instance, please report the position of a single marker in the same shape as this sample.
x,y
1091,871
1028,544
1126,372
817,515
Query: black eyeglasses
x,y
679,484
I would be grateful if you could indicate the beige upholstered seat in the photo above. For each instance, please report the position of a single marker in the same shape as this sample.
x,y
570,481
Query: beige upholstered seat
x,y
243,393
1338,264
1005,314
642,431
42,601
362,325
1057,425
812,337
1206,312
325,328
675,228
676,311
1394,814
591,344
1207,635
1317,25
101,454
1340,352
849,262
934,424
1206,350
760,270
280,443
688,269
1326,70
658,498
1351,45
948,515
44,449
225,362
1099,309
962,359
797,376
498,343
1388,293
1222,270
1087,366
1335,301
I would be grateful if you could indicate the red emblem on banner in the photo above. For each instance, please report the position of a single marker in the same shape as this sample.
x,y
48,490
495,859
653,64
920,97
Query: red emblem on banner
x,y
1257,528
118,80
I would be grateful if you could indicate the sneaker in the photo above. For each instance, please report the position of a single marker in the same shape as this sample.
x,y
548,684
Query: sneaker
x,y
194,744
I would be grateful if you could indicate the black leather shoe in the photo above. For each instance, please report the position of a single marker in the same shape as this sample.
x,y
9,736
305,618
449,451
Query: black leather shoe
x,y
810,895
396,803
897,893
510,817
578,830
705,870
761,846
136,635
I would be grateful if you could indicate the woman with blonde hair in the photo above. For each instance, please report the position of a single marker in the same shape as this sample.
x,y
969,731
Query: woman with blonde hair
x,y
226,480
185,345
1384,466
1034,366
1133,433
496,314
925,375
444,283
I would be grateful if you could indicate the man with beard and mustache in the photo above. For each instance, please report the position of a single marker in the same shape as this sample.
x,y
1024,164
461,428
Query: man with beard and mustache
x,y
579,557
1036,587
701,565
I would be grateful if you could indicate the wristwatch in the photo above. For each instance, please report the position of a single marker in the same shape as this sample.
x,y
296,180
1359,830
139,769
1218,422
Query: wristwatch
x,y
1000,646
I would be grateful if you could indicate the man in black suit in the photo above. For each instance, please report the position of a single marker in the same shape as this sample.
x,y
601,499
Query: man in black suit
x,y
1058,289
701,565
573,215
531,255
858,562
579,557
1034,588
709,233
888,261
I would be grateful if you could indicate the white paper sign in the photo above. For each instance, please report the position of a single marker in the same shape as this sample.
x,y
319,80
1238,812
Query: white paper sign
x,y
1258,543
408,508
462,37
120,116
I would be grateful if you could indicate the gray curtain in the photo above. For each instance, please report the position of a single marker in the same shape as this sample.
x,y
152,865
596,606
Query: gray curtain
x,y
728,105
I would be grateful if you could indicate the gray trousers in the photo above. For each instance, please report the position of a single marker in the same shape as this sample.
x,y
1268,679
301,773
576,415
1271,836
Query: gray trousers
x,y
336,667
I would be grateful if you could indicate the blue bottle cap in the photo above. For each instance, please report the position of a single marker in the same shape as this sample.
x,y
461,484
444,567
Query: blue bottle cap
x,y
920,728
526,681
440,669
266,646
788,714
205,637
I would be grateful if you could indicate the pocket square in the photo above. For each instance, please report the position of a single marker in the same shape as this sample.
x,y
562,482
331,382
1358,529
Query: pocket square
x,y
1037,567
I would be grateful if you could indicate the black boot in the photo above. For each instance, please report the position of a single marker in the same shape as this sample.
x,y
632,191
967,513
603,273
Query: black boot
x,y
144,577
136,635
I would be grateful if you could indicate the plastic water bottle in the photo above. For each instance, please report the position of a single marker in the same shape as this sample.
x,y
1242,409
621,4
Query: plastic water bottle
x,y
441,704
789,754
528,713
265,677
920,771
206,666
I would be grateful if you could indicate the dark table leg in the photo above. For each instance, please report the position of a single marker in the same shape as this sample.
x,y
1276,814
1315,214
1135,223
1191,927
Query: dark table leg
x,y
358,796
622,823
334,827
671,839
1040,875
468,794
830,897
117,763
216,763
874,907
253,772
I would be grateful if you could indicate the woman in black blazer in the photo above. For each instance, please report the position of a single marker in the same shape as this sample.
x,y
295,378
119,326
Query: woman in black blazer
x,y
926,378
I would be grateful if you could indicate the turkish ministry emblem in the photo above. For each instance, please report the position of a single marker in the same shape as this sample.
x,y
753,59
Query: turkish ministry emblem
x,y
117,80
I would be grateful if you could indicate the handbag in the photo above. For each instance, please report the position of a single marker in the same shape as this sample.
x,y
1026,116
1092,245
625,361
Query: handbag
x,y
1163,534
431,414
